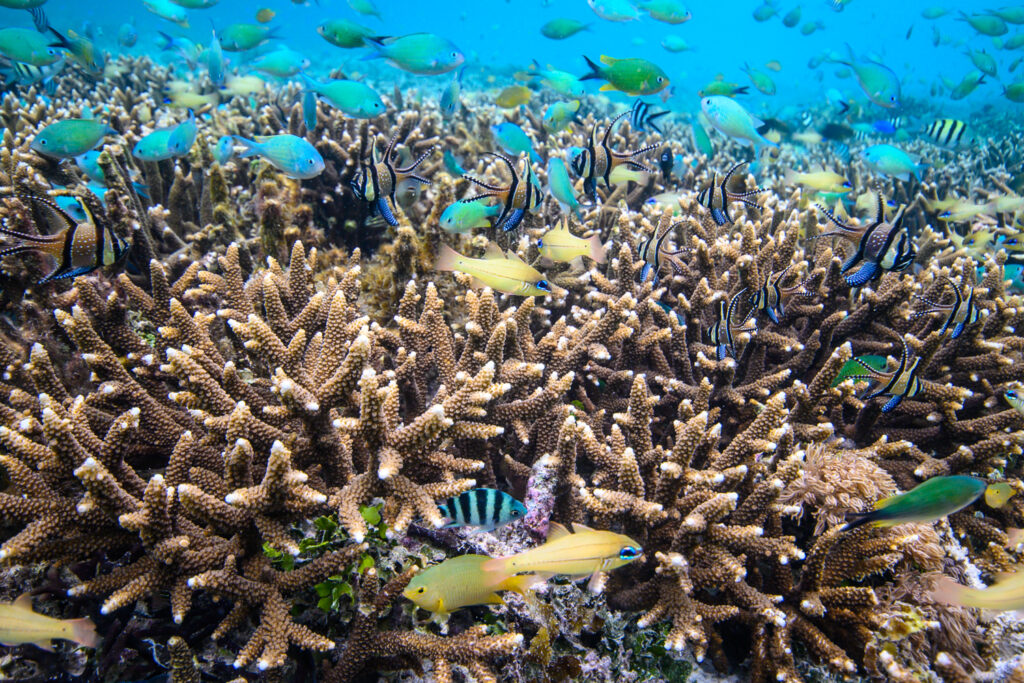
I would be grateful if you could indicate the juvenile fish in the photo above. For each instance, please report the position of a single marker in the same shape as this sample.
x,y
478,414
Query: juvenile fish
x,y
562,246
486,509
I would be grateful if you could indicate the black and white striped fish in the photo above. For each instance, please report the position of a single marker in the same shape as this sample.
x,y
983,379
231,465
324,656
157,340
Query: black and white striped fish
x,y
899,384
947,133
598,159
771,298
963,310
21,73
723,331
654,256
640,117
486,509
522,194
378,179
715,197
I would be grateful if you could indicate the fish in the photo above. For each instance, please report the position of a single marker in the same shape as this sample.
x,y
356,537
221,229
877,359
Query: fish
x,y
721,87
127,35
461,217
514,140
986,24
461,582
598,159
486,509
449,102
559,115
792,17
950,133
1014,92
239,37
1011,15
1015,399
70,138
577,554
879,82
224,149
761,80
562,82
819,181
506,273
771,298
716,196
666,11
291,155
309,111
934,12
855,366
928,502
378,178
28,46
165,9
560,185
195,4
562,28
983,61
722,332
640,117
811,26
881,245
265,15
186,99
614,10
21,624
652,253
1007,593
167,142
243,85
765,11
962,210
899,384
452,165
967,85
353,98
513,96
960,313
675,44
78,247
426,54
892,161
633,76
522,194
774,65
344,33
365,7
732,120
21,73
701,140
561,246
82,51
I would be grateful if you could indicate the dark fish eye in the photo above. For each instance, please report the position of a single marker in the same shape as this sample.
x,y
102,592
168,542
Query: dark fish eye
x,y
660,79
1011,394
543,285
515,513
540,244
421,590
629,553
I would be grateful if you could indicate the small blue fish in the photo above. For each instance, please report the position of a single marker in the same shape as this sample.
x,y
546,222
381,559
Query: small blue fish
x,y
451,164
486,509
560,185
450,97
559,115
309,109
166,143
292,155
460,217
183,136
514,139
224,149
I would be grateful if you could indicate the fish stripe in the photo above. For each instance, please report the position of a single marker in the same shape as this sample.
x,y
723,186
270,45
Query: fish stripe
x,y
460,513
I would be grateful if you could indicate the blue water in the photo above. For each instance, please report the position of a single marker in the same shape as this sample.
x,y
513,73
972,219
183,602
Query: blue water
x,y
502,36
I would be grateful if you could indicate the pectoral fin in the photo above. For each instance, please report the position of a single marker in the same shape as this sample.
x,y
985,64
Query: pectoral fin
x,y
606,87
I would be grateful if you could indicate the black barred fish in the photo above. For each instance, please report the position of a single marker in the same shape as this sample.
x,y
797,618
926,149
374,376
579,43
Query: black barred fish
x,y
722,332
487,509
640,117
522,194
655,257
963,310
377,180
899,384
947,132
598,159
771,298
78,247
715,197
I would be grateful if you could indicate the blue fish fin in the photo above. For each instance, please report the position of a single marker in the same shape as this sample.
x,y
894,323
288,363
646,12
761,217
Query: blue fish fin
x,y
773,316
863,276
385,211
891,404
958,330
644,272
849,263
515,217
722,351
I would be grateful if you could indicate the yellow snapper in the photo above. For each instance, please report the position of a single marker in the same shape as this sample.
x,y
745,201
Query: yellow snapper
x,y
579,554
501,272
461,582
821,181
20,624
1006,594
562,246
513,96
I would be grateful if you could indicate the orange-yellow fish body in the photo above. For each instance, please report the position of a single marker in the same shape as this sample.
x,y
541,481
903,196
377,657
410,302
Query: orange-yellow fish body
x,y
579,554
1006,594
460,582
20,624
562,246
501,272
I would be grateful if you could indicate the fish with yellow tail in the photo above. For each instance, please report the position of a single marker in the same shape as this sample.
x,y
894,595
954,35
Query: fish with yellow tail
x,y
932,500
20,624
562,246
461,582
506,273
577,554
1005,594
79,247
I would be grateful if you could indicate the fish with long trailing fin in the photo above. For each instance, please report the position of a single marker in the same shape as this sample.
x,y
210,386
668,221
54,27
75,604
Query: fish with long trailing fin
x,y
652,252
771,297
598,159
899,384
723,331
378,178
522,194
641,117
960,312
716,197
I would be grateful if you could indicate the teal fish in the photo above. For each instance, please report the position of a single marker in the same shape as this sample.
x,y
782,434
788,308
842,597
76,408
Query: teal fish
x,y
365,7
559,115
344,33
419,53
461,217
70,137
879,82
165,9
761,80
560,185
241,37
450,102
701,140
290,154
354,98
730,118
666,11
224,149
215,61
451,164
931,501
983,61
792,17
168,142
309,110
967,85
765,11
675,44
562,82
560,29
514,140
893,161
282,63
985,24
28,46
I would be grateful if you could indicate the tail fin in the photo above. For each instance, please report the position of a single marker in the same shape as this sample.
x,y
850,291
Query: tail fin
x,y
844,107
42,24
62,42
446,258
742,90
251,146
595,70
83,632
860,519
377,44
597,250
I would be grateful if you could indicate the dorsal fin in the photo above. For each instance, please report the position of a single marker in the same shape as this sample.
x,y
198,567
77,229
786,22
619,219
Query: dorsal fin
x,y
605,59
24,601
580,528
556,531
492,250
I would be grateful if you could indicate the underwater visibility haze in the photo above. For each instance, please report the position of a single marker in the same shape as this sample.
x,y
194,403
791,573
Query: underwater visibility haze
x,y
552,340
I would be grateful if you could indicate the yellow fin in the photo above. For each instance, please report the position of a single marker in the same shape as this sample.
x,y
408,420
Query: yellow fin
x,y
578,528
492,250
23,601
523,583
556,531
606,87
605,59
476,283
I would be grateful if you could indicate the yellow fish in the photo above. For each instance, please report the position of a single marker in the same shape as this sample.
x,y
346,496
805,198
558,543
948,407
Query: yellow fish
x,y
964,211
460,582
513,96
562,246
774,65
244,85
808,137
820,181
579,554
20,624
184,99
1006,594
501,272
265,15
1007,204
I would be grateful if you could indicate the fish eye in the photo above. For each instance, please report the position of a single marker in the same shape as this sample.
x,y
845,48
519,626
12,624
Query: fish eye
x,y
516,513
848,184
455,55
660,79
421,590
543,285
1011,394
540,244
629,553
